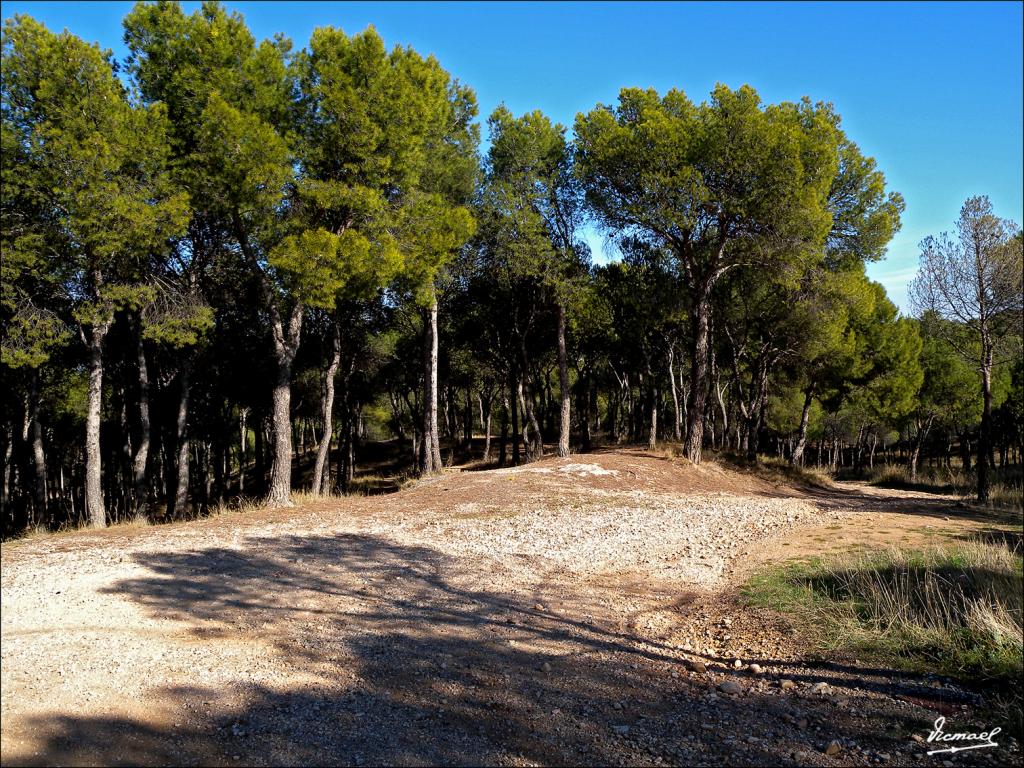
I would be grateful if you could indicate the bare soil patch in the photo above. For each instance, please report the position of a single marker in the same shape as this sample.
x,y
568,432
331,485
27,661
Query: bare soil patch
x,y
571,611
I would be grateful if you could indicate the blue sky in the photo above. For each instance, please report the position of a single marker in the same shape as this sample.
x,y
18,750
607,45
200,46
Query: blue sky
x,y
932,90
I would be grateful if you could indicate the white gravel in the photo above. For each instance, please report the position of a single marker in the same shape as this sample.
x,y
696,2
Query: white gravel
x,y
685,538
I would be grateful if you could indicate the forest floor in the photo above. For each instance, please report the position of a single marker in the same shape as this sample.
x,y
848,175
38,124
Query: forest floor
x,y
573,611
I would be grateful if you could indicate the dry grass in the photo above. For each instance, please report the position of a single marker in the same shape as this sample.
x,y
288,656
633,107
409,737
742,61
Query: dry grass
x,y
39,531
778,471
954,609
1006,491
364,485
940,479
814,477
35,532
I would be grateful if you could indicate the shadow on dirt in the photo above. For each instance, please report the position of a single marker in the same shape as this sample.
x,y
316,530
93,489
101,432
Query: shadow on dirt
x,y
406,660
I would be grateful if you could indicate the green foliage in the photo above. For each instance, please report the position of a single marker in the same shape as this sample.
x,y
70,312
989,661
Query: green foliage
x,y
892,348
950,388
241,164
387,157
177,320
30,334
533,203
864,217
696,177
431,231
316,264
95,164
234,202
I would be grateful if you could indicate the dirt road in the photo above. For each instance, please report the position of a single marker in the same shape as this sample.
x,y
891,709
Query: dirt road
x,y
573,611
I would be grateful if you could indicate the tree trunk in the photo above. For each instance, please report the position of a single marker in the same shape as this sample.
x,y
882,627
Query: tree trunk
x,y
915,452
467,421
532,439
141,458
985,434
965,451
513,404
38,457
526,426
243,438
585,411
220,467
485,410
94,508
563,384
285,339
286,344
677,416
652,440
797,459
207,474
320,482
858,451
346,461
698,376
279,493
752,435
755,413
180,498
503,437
5,489
431,459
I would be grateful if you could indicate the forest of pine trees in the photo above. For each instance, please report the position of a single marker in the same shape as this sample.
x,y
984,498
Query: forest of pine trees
x,y
230,267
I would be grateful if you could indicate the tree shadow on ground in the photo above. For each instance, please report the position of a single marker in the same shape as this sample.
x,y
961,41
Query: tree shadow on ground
x,y
940,507
1013,540
400,655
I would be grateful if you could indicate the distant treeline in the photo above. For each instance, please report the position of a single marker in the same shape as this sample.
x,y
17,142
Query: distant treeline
x,y
220,254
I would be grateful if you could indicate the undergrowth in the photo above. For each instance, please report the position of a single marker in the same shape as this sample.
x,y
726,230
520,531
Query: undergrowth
x,y
954,610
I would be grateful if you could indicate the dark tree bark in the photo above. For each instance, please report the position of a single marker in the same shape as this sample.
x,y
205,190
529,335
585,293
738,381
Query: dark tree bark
x,y
243,438
513,400
260,451
140,461
5,489
38,456
467,420
652,440
965,451
285,337
699,372
985,433
532,438
585,392
797,458
503,437
180,497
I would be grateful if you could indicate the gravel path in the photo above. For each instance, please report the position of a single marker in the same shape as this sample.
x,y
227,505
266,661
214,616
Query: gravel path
x,y
568,612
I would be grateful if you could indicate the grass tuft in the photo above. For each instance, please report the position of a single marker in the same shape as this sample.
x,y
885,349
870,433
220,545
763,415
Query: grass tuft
x,y
1005,492
777,471
955,610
